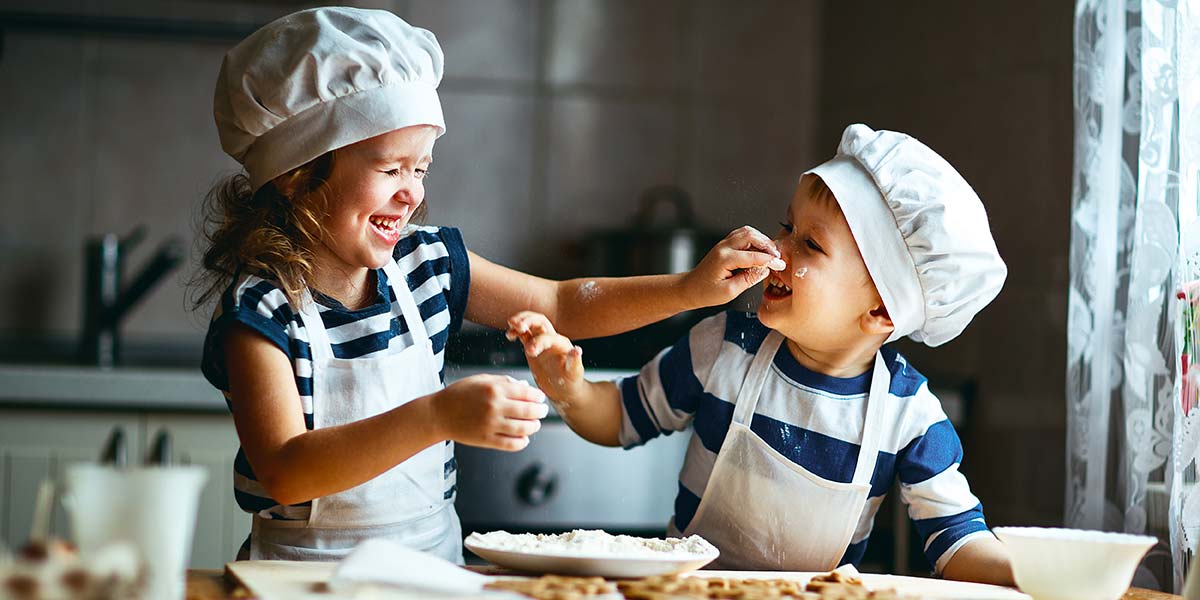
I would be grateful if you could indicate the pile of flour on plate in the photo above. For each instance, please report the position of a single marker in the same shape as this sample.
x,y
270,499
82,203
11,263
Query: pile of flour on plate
x,y
593,542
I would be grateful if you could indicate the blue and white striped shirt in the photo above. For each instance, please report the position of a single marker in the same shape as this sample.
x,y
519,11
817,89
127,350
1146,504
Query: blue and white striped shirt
x,y
814,420
437,271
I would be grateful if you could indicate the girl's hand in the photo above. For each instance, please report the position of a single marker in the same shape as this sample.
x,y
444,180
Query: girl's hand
x,y
489,411
557,364
736,263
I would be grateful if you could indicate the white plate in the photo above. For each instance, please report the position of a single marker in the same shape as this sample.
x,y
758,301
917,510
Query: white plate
x,y
591,566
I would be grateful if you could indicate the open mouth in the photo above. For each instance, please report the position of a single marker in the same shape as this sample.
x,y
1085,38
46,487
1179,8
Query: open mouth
x,y
387,228
776,290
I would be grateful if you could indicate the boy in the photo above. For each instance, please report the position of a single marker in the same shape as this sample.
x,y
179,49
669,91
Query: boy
x,y
802,418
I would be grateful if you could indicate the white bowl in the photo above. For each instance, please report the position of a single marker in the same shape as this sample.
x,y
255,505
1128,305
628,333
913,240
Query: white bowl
x,y
1073,564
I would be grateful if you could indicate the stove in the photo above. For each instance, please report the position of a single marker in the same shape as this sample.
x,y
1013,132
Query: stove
x,y
561,481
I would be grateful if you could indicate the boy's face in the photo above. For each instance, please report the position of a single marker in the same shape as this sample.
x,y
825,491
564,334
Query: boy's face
x,y
823,298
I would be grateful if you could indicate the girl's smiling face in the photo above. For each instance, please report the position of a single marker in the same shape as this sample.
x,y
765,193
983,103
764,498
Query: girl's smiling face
x,y
825,297
376,185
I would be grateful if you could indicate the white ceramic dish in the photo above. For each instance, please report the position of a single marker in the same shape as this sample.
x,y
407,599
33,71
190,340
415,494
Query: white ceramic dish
x,y
1073,564
591,566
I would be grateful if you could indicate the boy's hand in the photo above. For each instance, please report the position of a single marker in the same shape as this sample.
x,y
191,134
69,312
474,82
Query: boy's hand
x,y
489,411
556,363
736,263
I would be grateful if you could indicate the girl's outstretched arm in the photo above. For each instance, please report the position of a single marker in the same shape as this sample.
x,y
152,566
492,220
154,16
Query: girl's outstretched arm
x,y
600,306
294,464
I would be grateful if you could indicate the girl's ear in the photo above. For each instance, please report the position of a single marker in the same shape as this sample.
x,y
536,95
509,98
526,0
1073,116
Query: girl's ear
x,y
876,321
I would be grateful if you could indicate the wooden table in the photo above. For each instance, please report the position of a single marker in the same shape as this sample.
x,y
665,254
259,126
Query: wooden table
x,y
212,585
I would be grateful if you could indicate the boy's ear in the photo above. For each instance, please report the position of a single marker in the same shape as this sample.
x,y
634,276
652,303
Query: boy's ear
x,y
876,321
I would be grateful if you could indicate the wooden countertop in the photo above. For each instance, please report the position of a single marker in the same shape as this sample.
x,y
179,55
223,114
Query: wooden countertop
x,y
212,585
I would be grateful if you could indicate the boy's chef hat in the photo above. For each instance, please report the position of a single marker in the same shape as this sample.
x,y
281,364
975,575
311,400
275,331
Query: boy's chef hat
x,y
320,79
921,229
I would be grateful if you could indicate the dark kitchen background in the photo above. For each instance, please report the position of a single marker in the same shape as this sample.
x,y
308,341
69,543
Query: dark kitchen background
x,y
561,115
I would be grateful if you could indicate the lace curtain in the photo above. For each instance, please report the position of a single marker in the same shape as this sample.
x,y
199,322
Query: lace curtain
x,y
1132,433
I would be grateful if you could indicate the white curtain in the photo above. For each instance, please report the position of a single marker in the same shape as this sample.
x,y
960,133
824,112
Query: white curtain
x,y
1132,433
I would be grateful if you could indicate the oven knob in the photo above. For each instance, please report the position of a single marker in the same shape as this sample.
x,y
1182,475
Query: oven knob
x,y
536,484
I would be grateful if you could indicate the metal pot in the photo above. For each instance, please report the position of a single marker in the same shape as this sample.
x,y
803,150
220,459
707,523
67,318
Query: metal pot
x,y
653,243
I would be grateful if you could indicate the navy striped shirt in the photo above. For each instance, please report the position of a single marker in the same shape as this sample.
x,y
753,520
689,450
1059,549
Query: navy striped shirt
x,y
814,420
437,272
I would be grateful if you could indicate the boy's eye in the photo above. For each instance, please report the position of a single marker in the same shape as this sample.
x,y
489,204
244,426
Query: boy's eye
x,y
392,172
421,173
786,226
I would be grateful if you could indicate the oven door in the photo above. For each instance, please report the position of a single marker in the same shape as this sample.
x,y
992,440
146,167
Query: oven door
x,y
561,482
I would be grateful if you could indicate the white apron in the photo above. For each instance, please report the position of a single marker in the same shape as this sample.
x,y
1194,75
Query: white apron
x,y
765,512
405,503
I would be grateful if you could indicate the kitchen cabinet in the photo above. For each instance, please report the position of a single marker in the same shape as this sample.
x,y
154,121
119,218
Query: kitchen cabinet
x,y
37,443
210,441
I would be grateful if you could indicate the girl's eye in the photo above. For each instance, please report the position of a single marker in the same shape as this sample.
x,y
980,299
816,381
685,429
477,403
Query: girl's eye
x,y
813,245
786,226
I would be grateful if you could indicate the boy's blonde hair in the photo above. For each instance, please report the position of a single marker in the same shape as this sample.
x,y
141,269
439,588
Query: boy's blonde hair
x,y
816,189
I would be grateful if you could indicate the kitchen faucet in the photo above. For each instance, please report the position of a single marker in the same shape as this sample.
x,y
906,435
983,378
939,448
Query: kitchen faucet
x,y
106,300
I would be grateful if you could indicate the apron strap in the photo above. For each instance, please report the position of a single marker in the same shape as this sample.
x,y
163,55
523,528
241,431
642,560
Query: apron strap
x,y
747,399
408,305
868,452
319,348
318,339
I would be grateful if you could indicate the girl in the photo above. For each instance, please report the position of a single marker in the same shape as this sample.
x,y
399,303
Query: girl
x,y
333,312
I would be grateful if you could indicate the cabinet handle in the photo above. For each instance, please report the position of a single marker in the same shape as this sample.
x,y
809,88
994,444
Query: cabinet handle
x,y
160,452
116,449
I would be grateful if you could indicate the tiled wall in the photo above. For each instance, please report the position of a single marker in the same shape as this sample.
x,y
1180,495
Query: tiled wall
x,y
559,113
988,85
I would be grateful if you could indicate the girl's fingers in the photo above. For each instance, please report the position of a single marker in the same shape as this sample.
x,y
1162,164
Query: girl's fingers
x,y
751,277
508,443
518,427
526,411
519,390
747,259
748,237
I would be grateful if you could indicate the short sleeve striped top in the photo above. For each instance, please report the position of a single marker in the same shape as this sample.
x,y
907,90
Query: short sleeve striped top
x,y
814,420
437,271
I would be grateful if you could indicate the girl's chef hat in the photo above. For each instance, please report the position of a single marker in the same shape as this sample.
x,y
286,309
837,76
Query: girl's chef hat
x,y
921,229
320,79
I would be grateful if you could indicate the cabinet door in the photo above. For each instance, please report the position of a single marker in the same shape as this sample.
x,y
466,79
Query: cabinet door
x,y
210,441
39,444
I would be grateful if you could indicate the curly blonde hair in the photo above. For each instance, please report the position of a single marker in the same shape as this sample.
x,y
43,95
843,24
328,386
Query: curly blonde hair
x,y
270,232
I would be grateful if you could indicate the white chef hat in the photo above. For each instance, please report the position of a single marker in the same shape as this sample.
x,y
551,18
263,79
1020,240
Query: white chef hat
x,y
921,229
320,79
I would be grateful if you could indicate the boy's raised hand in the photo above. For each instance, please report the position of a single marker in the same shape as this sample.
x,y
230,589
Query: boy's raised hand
x,y
736,263
556,363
